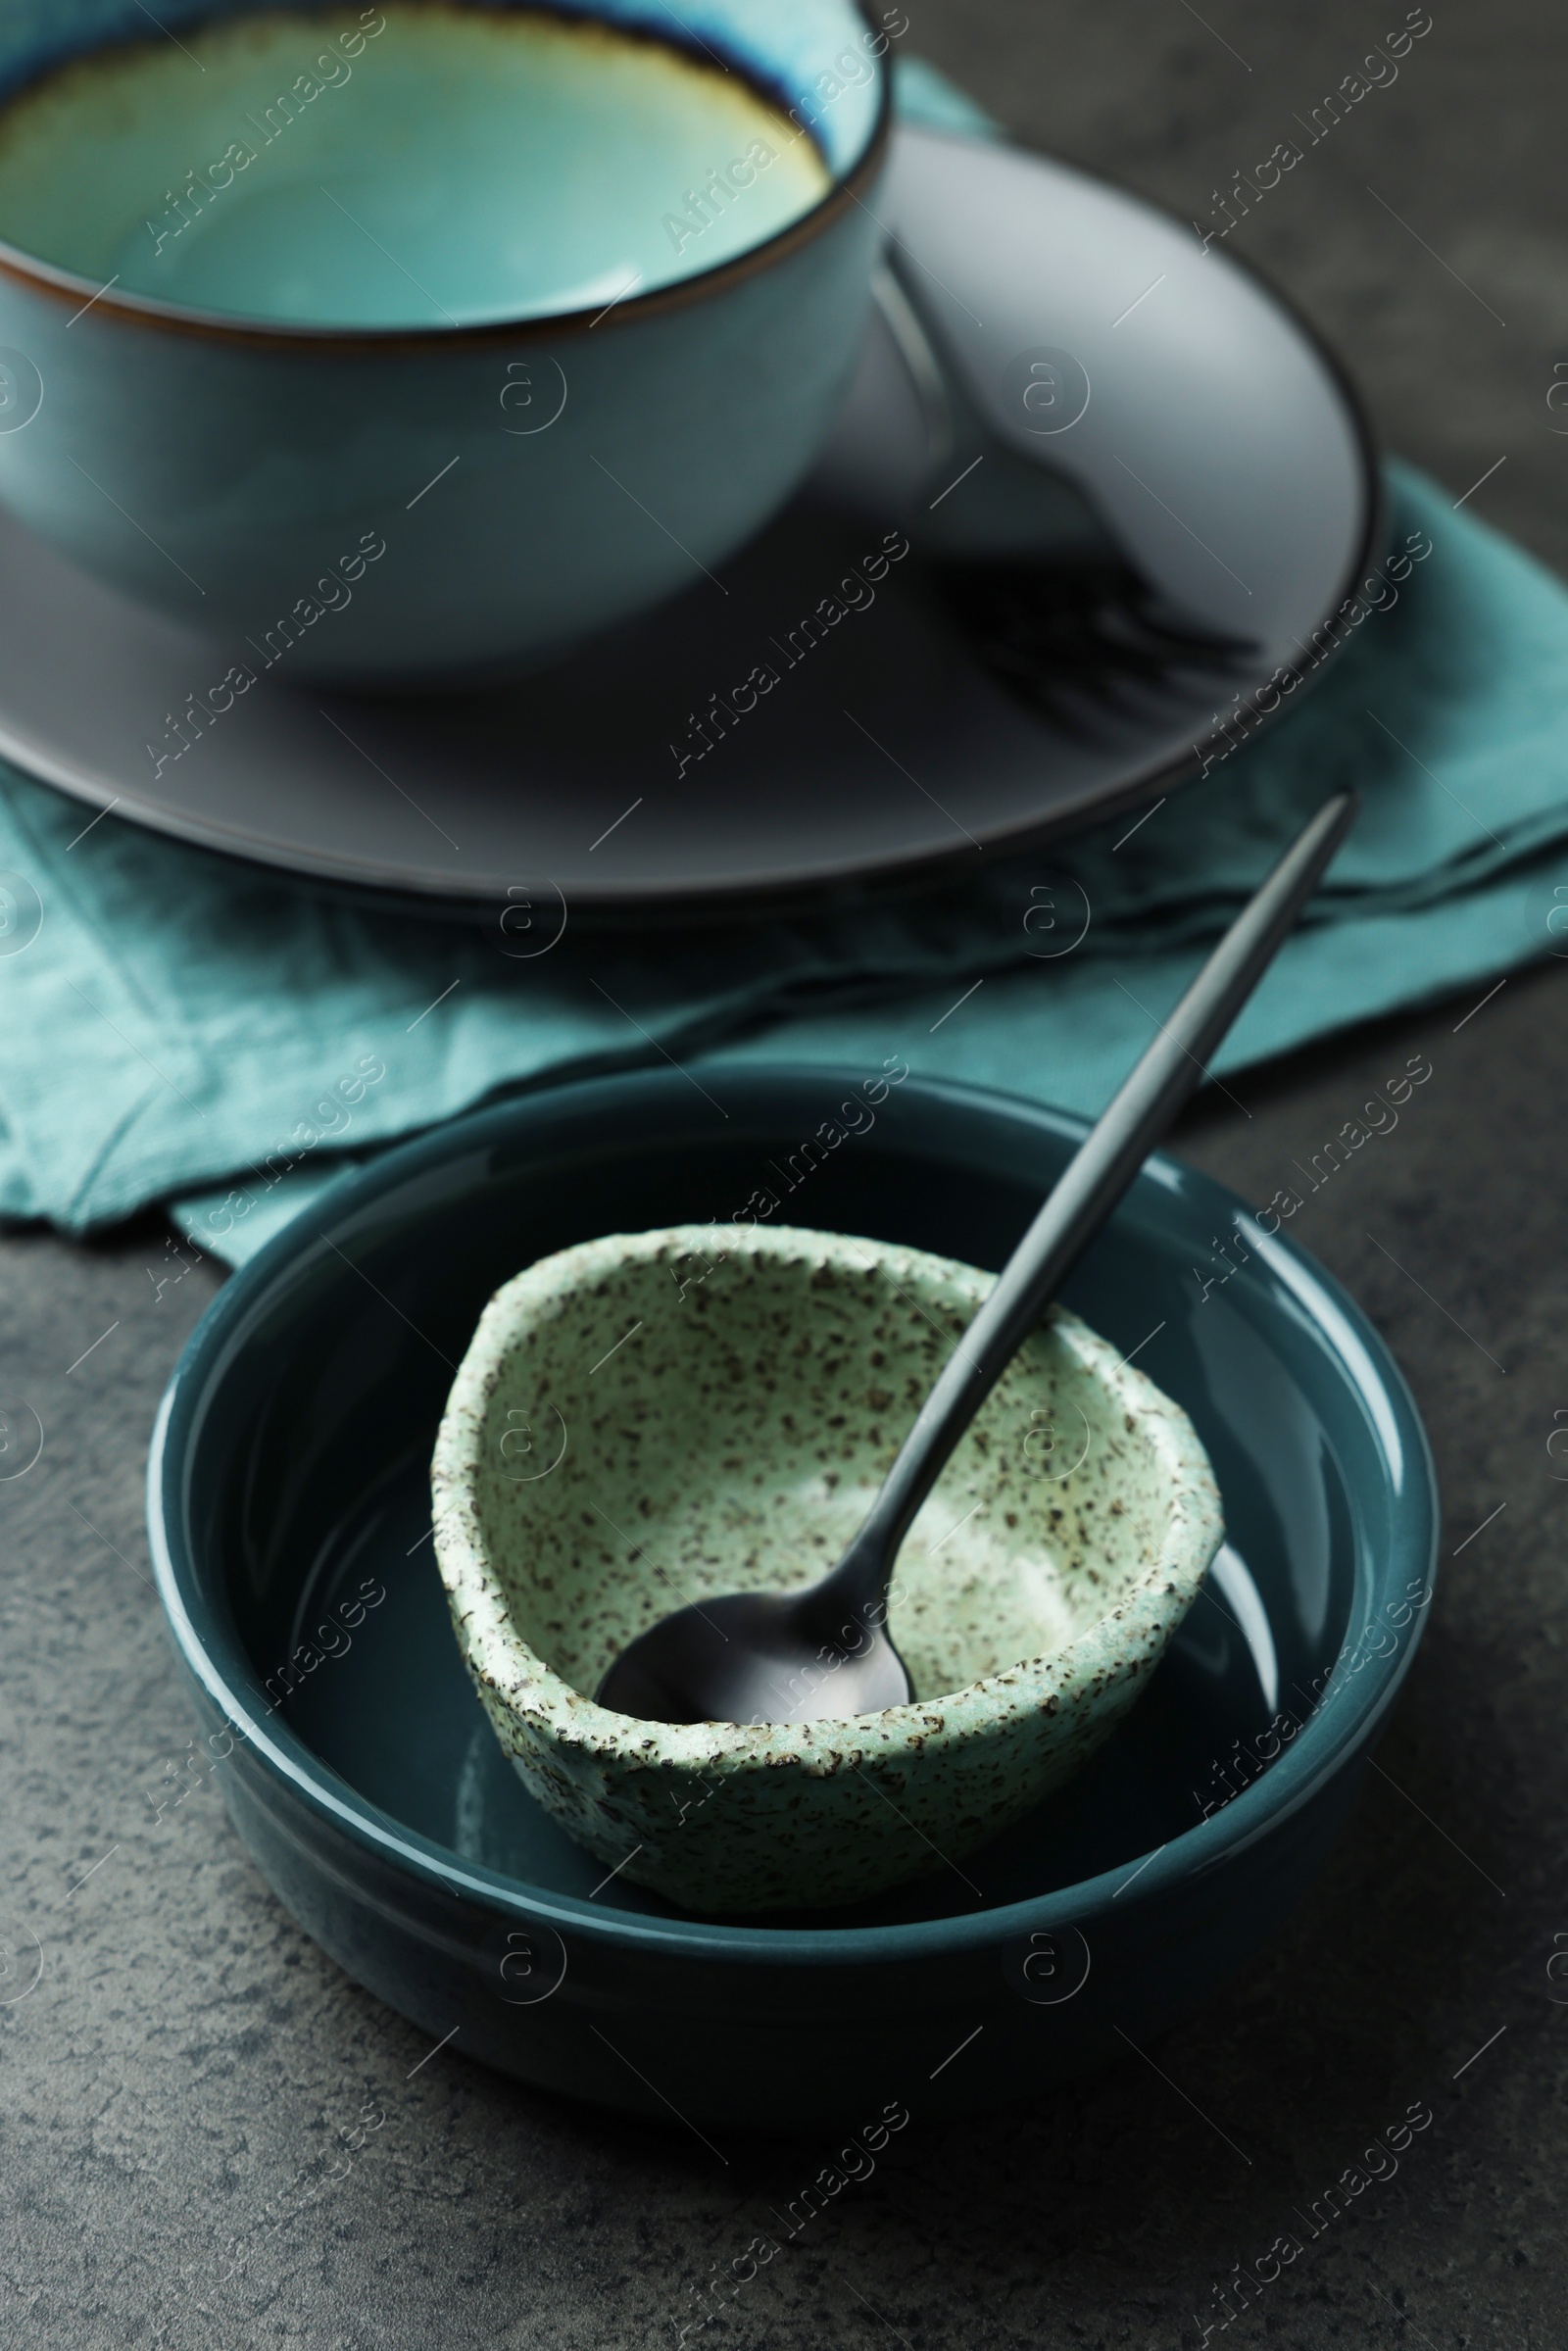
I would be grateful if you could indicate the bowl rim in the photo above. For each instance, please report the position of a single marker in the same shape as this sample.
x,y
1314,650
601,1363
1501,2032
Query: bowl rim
x,y
492,1644
1334,1737
847,187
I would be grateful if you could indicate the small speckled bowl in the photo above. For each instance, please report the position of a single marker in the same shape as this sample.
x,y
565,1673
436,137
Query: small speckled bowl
x,y
648,1419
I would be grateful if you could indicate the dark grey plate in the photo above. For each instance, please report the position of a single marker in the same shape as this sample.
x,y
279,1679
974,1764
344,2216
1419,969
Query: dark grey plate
x,y
1220,448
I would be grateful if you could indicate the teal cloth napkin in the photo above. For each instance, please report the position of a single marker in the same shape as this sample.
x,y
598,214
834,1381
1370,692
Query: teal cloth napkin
x,y
177,1028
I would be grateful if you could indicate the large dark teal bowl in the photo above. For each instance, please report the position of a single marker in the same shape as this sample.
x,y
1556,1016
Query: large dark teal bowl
x,y
289,1517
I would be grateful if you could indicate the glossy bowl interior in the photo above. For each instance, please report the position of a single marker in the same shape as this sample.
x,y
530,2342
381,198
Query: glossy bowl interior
x,y
290,1521
821,60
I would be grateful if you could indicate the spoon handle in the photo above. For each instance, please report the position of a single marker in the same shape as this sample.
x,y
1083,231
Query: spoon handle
x,y
1088,1190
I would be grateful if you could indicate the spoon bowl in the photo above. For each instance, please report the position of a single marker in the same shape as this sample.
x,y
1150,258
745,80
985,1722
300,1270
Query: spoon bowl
x,y
758,1657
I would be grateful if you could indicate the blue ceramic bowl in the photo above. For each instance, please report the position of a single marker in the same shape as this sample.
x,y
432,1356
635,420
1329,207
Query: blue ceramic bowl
x,y
289,1514
273,483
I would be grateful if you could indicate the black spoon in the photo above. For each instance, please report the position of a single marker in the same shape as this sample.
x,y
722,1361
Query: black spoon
x,y
760,1656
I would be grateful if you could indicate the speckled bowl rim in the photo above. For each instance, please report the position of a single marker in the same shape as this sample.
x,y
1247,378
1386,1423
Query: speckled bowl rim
x,y
1339,1730
494,1648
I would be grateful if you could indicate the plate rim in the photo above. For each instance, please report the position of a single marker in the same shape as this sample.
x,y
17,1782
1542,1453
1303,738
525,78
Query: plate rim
x,y
1194,1854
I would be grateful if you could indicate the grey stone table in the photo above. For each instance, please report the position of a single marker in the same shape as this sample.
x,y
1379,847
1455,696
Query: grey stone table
x,y
180,2082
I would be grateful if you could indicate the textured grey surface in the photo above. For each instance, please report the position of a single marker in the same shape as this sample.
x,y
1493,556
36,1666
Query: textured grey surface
x,y
183,2086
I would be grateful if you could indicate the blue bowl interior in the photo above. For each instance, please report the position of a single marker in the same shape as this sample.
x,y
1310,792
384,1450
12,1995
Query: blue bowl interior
x,y
816,57
300,1441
